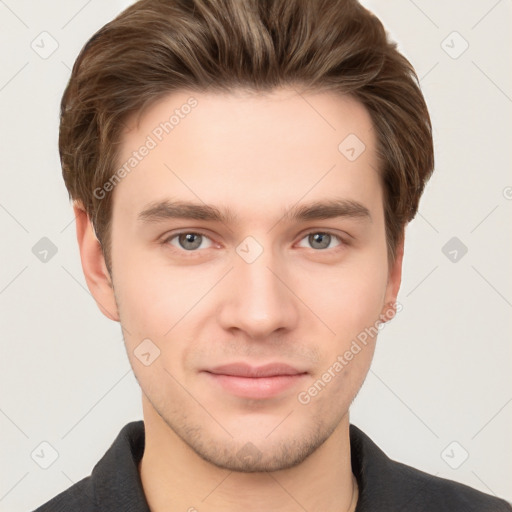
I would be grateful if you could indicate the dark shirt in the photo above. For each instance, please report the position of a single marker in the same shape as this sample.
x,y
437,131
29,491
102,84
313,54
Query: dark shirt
x,y
384,485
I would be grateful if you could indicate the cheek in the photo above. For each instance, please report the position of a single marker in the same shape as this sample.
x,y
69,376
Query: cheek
x,y
153,297
351,299
368,287
167,306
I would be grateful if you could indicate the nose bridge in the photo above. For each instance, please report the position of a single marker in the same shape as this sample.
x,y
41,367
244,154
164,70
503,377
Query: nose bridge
x,y
259,302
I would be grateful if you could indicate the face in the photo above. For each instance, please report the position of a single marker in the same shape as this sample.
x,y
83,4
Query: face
x,y
249,260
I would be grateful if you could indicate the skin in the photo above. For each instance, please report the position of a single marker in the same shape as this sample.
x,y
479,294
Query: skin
x,y
296,303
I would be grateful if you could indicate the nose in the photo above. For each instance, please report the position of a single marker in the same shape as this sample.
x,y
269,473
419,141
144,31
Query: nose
x,y
259,299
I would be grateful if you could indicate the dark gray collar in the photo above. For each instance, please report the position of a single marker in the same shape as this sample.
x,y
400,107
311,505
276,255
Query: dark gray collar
x,y
384,485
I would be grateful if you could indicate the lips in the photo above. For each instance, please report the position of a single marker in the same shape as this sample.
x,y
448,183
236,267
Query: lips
x,y
255,382
246,370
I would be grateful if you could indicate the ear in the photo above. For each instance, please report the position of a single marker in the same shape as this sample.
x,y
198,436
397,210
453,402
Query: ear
x,y
93,264
394,280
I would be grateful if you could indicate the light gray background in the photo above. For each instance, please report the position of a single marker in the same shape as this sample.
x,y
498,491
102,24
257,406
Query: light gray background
x,y
442,370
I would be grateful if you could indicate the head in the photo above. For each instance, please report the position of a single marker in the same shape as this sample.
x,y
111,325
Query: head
x,y
269,116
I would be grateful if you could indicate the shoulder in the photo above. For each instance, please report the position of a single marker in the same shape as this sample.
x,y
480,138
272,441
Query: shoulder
x,y
114,483
422,491
79,496
391,485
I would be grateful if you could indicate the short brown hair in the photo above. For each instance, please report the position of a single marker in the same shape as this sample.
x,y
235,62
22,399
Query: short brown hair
x,y
156,47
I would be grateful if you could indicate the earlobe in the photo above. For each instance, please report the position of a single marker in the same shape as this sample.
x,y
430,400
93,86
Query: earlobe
x,y
93,264
394,280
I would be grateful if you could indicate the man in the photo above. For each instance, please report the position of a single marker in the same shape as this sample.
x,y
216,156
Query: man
x,y
242,173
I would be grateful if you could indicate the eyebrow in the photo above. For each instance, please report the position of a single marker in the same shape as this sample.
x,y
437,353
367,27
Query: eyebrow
x,y
318,210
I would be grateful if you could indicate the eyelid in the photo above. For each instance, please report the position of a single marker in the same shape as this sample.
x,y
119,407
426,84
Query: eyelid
x,y
341,240
170,236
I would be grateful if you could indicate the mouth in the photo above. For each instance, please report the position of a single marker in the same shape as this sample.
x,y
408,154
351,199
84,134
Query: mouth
x,y
246,381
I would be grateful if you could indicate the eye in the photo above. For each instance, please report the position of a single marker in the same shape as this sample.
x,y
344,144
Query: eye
x,y
191,241
188,240
322,240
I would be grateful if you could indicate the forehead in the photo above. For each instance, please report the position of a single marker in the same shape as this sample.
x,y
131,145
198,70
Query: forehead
x,y
247,150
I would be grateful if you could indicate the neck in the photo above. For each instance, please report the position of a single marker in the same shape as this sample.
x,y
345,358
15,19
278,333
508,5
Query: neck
x,y
175,478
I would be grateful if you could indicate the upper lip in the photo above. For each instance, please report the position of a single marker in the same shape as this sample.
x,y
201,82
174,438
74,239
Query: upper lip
x,y
246,370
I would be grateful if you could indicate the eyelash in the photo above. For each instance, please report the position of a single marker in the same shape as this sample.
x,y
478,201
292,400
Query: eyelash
x,y
166,241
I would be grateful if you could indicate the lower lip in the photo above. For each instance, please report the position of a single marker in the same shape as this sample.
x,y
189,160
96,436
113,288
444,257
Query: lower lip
x,y
257,387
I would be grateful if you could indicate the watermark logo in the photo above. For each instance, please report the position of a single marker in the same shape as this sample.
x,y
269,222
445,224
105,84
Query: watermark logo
x,y
455,455
454,45
45,45
44,455
147,352
249,453
249,249
454,249
44,250
351,147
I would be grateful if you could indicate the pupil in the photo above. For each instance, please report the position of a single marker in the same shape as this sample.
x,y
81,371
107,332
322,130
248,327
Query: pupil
x,y
191,241
319,238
